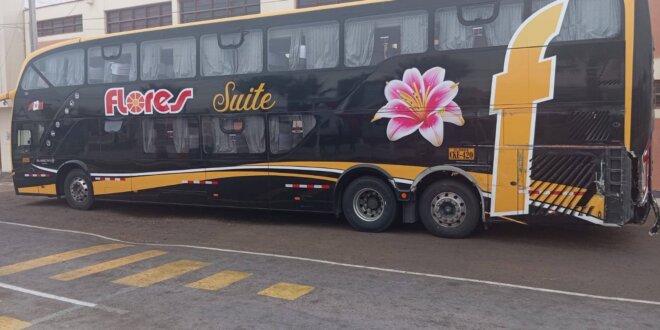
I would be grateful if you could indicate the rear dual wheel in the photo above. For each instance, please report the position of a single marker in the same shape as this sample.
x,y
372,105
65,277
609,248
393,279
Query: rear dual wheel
x,y
450,209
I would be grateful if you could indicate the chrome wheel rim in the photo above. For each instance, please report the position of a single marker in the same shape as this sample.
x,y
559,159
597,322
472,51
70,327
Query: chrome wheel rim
x,y
448,209
79,190
369,205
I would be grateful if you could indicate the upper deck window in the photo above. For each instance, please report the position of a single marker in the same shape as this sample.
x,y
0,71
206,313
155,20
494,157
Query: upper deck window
x,y
233,53
371,40
65,68
128,19
112,64
478,25
169,58
312,46
32,80
588,19
200,10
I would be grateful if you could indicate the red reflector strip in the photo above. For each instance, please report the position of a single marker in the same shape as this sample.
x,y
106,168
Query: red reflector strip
x,y
556,193
211,182
308,186
109,179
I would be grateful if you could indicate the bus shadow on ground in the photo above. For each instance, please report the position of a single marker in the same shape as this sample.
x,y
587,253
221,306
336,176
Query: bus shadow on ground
x,y
575,234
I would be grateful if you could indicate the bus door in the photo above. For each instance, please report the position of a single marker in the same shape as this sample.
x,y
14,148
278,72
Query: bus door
x,y
234,149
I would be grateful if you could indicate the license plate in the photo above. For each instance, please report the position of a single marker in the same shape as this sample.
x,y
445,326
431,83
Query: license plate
x,y
462,154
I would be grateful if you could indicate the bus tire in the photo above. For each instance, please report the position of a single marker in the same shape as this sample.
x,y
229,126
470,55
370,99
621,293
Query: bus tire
x,y
449,209
369,205
78,190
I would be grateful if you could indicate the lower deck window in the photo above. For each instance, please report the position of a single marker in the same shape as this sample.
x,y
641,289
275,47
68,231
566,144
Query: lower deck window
x,y
170,136
239,135
288,131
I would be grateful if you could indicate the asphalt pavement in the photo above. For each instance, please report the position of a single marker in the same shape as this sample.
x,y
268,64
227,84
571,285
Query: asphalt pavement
x,y
168,267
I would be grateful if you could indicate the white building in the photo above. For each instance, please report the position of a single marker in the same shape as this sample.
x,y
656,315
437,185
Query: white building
x,y
59,20
12,53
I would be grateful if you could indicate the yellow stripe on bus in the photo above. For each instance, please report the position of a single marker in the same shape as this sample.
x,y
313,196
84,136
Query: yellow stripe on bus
x,y
630,54
57,258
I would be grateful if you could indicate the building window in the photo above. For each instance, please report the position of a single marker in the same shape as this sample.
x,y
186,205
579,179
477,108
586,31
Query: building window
x,y
657,94
142,17
199,10
314,3
62,25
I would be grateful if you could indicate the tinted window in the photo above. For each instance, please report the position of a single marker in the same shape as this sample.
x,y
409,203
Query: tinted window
x,y
169,58
287,132
313,46
112,64
588,19
32,80
118,135
63,69
27,135
240,53
167,137
79,139
371,40
467,28
244,135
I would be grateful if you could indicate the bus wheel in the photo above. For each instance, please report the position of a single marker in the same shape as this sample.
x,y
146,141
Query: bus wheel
x,y
369,205
449,209
78,190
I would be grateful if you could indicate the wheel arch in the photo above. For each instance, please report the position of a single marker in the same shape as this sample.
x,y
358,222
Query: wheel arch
x,y
355,172
436,173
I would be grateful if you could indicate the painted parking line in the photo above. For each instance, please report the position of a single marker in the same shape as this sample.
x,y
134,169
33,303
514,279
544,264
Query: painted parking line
x,y
108,265
287,291
219,281
10,323
161,273
57,258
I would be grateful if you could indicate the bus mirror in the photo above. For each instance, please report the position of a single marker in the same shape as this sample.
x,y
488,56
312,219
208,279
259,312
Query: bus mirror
x,y
465,9
111,53
231,37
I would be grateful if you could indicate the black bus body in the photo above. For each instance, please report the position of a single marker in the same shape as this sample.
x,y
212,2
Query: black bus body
x,y
434,108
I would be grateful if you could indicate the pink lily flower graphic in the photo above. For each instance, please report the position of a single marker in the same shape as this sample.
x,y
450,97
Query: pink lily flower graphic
x,y
421,102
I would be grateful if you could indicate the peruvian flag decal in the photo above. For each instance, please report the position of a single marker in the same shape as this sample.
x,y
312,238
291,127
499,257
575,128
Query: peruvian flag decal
x,y
36,106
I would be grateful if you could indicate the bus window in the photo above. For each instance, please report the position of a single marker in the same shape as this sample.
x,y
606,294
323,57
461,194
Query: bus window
x,y
117,137
112,64
479,25
313,46
288,131
371,40
588,19
32,80
168,137
244,135
63,69
169,59
234,53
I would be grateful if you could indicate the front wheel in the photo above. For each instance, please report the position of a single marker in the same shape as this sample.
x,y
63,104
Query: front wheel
x,y
369,205
78,190
450,209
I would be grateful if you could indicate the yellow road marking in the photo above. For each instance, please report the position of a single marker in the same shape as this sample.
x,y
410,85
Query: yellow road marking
x,y
9,323
287,291
57,258
161,273
219,281
108,265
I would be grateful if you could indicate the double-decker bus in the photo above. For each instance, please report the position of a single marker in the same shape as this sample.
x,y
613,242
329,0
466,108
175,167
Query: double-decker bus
x,y
452,112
